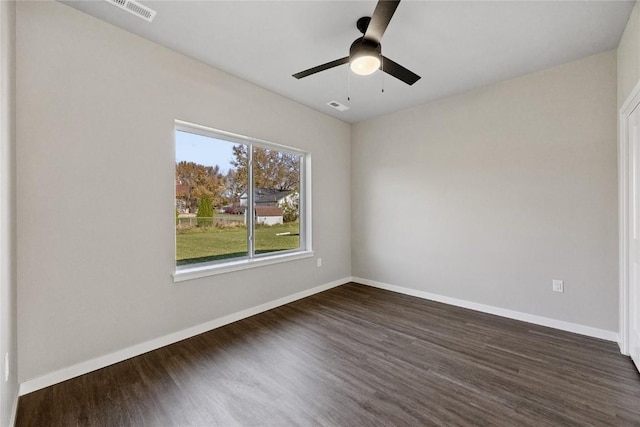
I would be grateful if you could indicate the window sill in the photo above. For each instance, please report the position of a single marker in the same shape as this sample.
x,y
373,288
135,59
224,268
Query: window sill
x,y
189,273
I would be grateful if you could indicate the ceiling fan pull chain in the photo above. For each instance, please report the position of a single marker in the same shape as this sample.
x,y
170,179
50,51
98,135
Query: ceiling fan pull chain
x,y
348,85
382,68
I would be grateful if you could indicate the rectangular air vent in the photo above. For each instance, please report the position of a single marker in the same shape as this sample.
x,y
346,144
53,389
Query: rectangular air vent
x,y
337,106
135,8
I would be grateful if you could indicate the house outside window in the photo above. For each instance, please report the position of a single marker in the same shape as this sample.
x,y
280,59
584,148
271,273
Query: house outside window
x,y
239,202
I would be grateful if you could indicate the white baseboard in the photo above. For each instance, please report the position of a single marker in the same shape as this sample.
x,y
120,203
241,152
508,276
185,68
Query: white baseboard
x,y
138,349
525,317
14,410
622,346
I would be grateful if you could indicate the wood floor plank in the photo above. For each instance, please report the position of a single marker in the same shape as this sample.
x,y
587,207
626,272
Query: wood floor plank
x,y
352,356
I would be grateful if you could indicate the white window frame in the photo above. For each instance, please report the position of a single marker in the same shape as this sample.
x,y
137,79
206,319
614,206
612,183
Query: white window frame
x,y
194,271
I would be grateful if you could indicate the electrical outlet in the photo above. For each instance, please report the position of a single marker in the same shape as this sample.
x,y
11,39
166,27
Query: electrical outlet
x,y
6,367
319,262
558,285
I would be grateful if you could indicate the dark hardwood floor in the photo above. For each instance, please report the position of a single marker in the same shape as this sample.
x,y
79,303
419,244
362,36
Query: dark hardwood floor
x,y
352,356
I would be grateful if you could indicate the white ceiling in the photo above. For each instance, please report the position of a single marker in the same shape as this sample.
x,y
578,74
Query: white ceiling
x,y
453,45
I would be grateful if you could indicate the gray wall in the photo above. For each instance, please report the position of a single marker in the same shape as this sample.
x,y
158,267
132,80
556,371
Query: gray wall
x,y
489,195
8,282
629,56
96,109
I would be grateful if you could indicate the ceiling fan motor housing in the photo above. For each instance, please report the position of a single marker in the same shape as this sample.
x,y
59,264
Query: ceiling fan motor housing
x,y
362,47
363,51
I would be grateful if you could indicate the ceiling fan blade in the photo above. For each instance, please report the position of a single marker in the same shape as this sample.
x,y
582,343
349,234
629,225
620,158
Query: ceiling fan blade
x,y
380,20
398,71
322,67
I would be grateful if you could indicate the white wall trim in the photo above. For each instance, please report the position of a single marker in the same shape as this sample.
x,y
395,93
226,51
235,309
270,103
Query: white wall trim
x,y
525,317
628,106
138,349
211,269
14,410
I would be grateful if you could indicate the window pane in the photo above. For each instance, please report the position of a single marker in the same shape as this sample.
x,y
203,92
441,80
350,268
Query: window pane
x,y
276,178
211,178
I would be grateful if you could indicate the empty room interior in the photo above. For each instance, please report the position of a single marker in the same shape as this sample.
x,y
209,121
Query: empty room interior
x,y
337,213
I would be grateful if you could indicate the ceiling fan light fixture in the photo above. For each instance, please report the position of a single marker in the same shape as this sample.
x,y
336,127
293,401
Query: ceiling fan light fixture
x,y
364,57
365,65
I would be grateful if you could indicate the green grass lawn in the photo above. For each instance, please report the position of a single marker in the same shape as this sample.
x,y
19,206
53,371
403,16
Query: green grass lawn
x,y
194,245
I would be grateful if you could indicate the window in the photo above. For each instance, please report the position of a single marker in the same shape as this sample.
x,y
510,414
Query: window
x,y
239,202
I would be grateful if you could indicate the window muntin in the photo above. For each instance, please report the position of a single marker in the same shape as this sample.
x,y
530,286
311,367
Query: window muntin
x,y
234,173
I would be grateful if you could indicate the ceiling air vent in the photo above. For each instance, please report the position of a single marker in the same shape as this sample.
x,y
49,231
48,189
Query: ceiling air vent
x,y
135,8
337,106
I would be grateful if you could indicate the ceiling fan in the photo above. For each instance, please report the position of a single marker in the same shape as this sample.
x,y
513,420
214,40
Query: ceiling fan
x,y
365,54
